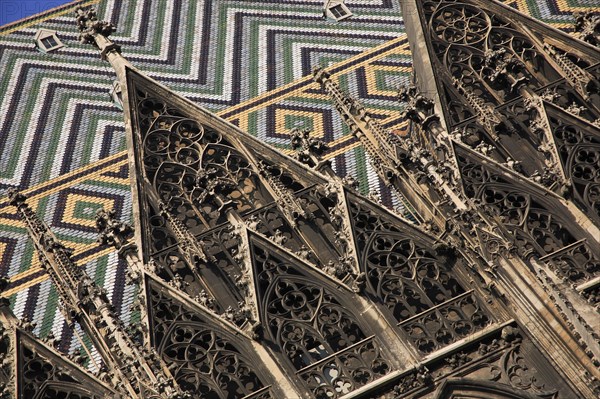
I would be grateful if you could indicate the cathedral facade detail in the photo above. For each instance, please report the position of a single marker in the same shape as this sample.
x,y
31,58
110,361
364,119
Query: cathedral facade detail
x,y
262,275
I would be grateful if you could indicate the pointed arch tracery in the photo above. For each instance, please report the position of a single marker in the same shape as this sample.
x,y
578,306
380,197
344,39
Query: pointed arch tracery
x,y
579,150
464,37
203,359
538,230
193,167
417,287
489,55
41,378
315,330
195,170
455,388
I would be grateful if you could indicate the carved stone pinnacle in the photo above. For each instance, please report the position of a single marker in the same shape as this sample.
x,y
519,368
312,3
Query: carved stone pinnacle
x,y
16,198
89,25
112,231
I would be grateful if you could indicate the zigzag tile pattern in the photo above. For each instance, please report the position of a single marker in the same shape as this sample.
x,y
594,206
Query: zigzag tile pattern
x,y
62,140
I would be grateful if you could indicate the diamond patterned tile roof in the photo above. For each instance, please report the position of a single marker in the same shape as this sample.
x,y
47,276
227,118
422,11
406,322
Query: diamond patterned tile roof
x,y
62,139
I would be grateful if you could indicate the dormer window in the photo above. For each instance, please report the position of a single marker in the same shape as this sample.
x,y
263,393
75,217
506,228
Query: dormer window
x,y
336,9
47,41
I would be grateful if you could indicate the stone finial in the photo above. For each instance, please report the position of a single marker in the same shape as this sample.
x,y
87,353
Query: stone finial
x,y
112,231
320,74
308,149
504,68
89,25
15,197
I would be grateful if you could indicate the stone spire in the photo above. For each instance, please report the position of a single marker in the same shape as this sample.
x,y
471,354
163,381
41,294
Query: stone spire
x,y
134,371
387,153
380,145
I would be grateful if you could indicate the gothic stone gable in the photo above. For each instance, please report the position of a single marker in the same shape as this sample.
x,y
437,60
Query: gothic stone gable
x,y
190,169
206,356
578,145
537,219
488,58
418,287
193,168
312,324
196,163
503,364
44,374
492,50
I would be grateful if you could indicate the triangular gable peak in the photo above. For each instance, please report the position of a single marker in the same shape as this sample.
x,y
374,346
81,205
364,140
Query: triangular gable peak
x,y
482,58
490,167
493,50
492,245
414,275
197,164
314,323
264,253
32,368
463,388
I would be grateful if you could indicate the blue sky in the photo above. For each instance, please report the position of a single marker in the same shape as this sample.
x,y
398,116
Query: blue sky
x,y
13,10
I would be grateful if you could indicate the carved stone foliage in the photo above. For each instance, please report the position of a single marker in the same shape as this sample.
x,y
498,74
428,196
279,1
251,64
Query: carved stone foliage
x,y
202,358
41,378
89,25
416,285
308,149
579,150
271,223
314,329
587,27
472,133
537,225
592,295
419,108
